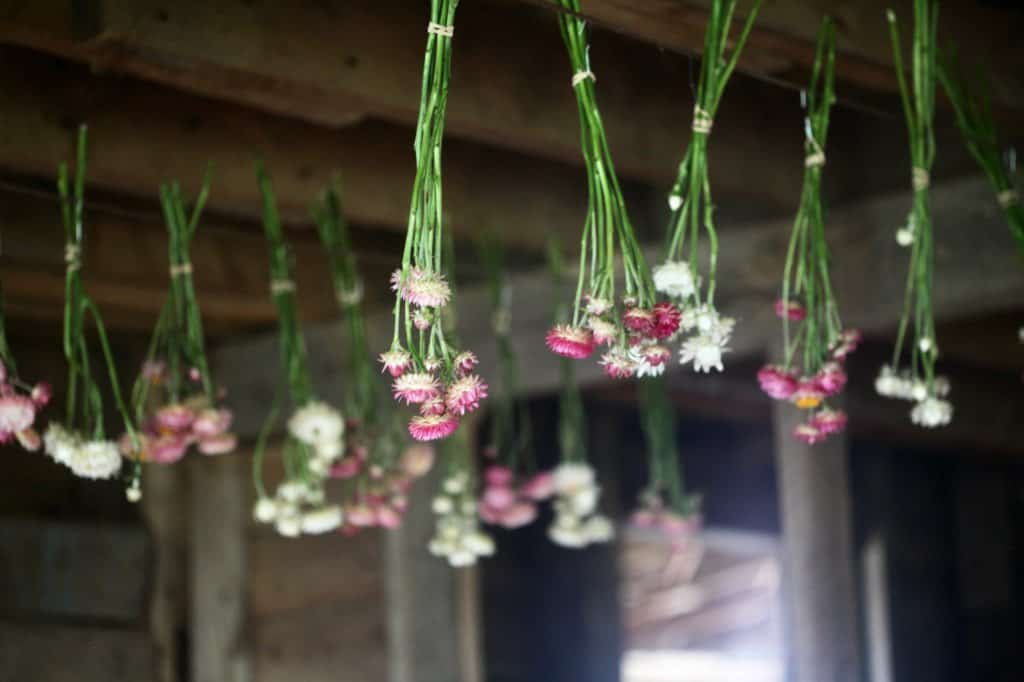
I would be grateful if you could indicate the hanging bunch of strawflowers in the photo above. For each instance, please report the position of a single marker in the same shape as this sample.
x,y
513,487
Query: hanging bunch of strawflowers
x,y
81,442
428,369
375,472
918,382
573,484
20,402
314,442
665,505
971,102
512,485
635,328
812,368
707,333
174,399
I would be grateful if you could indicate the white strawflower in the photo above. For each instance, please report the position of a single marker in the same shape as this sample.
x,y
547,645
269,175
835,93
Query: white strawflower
x,y
598,528
265,510
675,279
461,558
674,202
328,450
567,532
887,384
704,351
60,444
288,522
570,477
134,494
442,505
918,390
316,422
941,386
96,459
479,543
584,500
932,412
904,236
291,491
322,520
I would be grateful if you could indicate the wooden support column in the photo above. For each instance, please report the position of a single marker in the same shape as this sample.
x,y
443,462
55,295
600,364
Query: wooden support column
x,y
218,521
819,593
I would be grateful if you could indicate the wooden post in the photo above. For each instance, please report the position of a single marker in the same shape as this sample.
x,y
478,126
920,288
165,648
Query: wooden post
x,y
819,592
219,513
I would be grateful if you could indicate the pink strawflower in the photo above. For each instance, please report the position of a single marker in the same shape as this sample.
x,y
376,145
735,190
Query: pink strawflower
x,y
570,342
596,306
167,449
498,476
677,525
29,439
488,514
427,289
433,427
639,320
777,382
656,355
433,406
395,362
219,444
389,518
667,319
603,331
829,421
498,498
194,374
210,422
360,515
465,394
3,372
808,433
153,370
466,361
808,394
539,487
174,418
346,468
848,342
41,394
16,413
831,378
518,515
791,309
617,364
416,387
643,518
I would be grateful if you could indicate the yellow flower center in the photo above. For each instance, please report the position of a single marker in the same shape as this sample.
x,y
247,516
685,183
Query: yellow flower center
x,y
808,402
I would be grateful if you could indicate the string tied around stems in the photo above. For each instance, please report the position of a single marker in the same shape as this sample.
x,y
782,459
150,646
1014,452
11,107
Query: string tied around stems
x,y
72,256
581,76
282,286
816,159
350,297
501,321
440,30
920,179
181,269
702,120
1008,198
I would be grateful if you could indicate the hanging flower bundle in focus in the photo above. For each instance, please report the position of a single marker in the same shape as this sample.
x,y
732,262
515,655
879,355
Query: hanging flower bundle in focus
x,y
81,441
577,521
314,442
918,382
707,332
970,99
512,485
427,368
174,398
635,331
665,505
812,369
20,403
376,473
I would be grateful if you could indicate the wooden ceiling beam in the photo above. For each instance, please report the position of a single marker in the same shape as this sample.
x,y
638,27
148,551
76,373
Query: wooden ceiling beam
x,y
782,44
142,135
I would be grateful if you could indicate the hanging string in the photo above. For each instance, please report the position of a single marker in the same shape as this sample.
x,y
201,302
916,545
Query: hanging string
x,y
282,286
71,256
177,270
581,76
816,159
702,121
350,297
920,179
440,30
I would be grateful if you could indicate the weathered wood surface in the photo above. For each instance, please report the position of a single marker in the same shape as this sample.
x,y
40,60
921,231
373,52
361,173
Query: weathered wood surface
x,y
58,653
54,570
977,271
819,587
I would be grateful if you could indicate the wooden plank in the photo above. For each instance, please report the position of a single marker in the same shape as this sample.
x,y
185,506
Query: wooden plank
x,y
58,653
64,570
819,586
219,512
784,37
143,134
868,269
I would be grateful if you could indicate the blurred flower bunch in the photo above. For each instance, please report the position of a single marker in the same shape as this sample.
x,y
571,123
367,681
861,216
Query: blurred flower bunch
x,y
812,370
635,328
20,403
458,537
314,442
427,367
81,441
706,332
927,389
174,398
